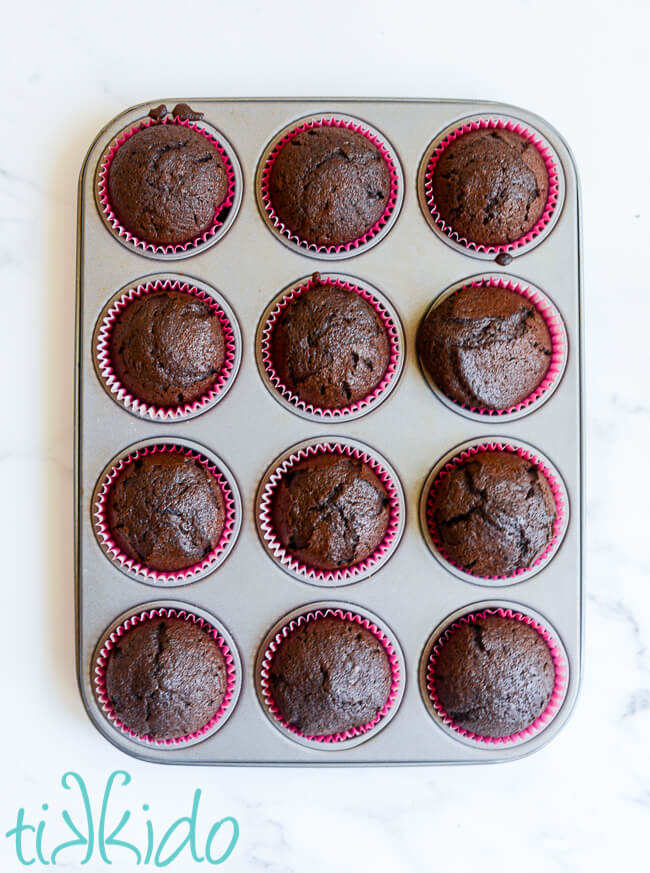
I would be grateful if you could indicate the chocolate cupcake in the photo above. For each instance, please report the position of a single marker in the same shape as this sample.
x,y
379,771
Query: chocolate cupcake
x,y
166,183
490,186
493,513
166,511
330,511
486,346
329,346
165,678
492,675
167,348
329,676
329,185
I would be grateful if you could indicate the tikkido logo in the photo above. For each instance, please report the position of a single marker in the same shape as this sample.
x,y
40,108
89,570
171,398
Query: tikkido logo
x,y
96,838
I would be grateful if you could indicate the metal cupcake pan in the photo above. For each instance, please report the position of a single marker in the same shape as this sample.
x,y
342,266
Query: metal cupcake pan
x,y
413,594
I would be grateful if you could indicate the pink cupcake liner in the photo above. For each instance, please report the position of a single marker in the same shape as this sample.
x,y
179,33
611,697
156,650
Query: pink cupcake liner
x,y
356,127
113,221
267,666
555,327
137,569
292,564
110,642
293,398
557,696
498,124
554,483
113,384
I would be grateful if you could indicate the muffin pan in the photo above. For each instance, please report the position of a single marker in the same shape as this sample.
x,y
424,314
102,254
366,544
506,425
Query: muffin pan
x,y
244,267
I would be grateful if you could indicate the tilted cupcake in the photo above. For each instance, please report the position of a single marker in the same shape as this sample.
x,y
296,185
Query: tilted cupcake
x,y
166,511
166,183
329,346
490,186
165,678
493,676
329,185
167,348
493,513
330,511
486,347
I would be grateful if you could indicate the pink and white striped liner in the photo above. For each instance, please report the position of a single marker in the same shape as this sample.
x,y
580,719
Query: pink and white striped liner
x,y
113,384
114,222
113,639
497,124
555,327
315,615
356,127
293,398
557,695
465,455
285,558
108,544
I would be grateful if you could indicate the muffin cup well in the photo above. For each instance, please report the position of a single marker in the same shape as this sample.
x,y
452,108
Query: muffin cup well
x,y
167,282
457,457
223,218
470,615
559,348
144,613
343,250
290,399
554,200
229,491
346,612
308,449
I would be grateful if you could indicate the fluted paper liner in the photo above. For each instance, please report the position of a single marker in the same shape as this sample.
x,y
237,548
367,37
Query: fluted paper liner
x,y
109,644
315,615
557,695
292,397
355,127
495,124
131,402
136,568
143,245
556,489
338,576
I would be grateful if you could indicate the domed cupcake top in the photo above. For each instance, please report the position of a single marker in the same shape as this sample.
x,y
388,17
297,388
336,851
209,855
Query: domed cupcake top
x,y
165,510
329,185
329,346
330,511
166,183
494,513
493,676
486,347
490,186
329,675
165,678
167,348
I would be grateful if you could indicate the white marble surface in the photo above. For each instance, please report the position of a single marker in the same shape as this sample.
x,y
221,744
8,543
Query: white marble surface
x,y
584,802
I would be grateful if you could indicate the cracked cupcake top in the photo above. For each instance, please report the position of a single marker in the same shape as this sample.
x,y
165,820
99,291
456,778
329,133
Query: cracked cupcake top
x,y
167,348
490,186
330,675
166,511
485,347
329,185
495,676
494,513
330,347
330,511
166,678
166,183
